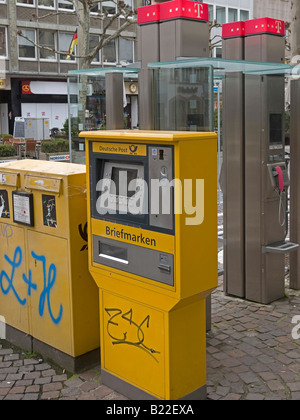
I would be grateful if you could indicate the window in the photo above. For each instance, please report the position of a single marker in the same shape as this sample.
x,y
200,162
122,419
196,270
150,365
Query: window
x,y
125,51
95,8
109,7
109,52
244,15
65,4
221,15
65,40
2,42
47,39
219,52
26,48
211,12
94,41
26,2
46,3
129,4
232,15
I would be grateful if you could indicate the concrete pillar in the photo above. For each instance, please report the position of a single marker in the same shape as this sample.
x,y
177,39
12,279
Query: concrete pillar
x,y
114,101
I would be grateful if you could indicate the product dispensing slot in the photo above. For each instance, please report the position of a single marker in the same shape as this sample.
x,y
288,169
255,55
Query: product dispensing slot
x,y
280,248
113,253
133,259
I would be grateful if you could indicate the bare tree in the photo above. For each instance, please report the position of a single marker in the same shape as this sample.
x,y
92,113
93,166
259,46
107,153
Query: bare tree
x,y
295,29
216,40
113,26
82,8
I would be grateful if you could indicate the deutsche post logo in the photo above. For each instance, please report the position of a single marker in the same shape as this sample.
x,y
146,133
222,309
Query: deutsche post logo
x,y
133,148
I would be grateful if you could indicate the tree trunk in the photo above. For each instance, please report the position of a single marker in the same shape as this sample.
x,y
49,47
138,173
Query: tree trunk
x,y
295,29
84,63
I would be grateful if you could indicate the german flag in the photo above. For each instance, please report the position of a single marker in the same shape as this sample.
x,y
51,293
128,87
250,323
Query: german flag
x,y
73,43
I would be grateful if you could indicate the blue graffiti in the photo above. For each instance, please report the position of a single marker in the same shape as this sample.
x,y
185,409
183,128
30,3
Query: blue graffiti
x,y
28,281
48,282
15,263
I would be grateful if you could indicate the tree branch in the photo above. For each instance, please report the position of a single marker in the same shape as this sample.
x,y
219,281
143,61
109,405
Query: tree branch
x,y
106,39
49,15
43,47
123,13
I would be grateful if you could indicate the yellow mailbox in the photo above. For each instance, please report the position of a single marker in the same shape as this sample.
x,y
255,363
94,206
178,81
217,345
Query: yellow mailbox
x,y
152,221
47,295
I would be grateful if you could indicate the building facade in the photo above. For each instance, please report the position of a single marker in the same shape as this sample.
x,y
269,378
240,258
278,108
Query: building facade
x,y
276,9
33,81
225,11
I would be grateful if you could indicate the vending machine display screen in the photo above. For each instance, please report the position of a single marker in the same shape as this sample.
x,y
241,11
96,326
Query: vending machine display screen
x,y
120,190
119,176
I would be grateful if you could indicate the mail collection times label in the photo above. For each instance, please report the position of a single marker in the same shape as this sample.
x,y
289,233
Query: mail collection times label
x,y
140,408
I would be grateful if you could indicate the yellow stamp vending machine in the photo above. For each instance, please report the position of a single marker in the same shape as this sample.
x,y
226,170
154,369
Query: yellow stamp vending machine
x,y
47,296
152,229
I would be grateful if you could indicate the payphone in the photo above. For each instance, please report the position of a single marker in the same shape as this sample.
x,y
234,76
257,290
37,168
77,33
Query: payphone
x,y
256,223
265,168
152,205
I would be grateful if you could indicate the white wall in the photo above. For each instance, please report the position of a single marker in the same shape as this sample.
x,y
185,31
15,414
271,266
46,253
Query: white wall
x,y
57,113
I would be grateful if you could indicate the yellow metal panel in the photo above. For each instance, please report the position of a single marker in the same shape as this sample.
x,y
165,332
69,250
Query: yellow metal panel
x,y
139,291
59,226
14,299
187,335
51,307
9,178
135,236
43,167
50,294
99,271
43,183
85,293
120,149
170,322
135,136
134,343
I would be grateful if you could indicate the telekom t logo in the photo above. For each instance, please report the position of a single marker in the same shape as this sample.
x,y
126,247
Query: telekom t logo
x,y
278,26
199,7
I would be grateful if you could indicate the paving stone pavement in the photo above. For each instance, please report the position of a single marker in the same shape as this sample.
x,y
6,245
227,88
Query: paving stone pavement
x,y
251,355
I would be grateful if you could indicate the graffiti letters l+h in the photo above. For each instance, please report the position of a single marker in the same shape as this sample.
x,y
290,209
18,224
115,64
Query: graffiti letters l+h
x,y
8,282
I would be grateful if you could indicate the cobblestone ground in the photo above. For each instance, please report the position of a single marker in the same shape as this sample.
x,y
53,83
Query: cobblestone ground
x,y
23,377
251,354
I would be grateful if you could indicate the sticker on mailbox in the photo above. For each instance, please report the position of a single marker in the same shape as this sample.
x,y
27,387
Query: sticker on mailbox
x,y
4,205
49,210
